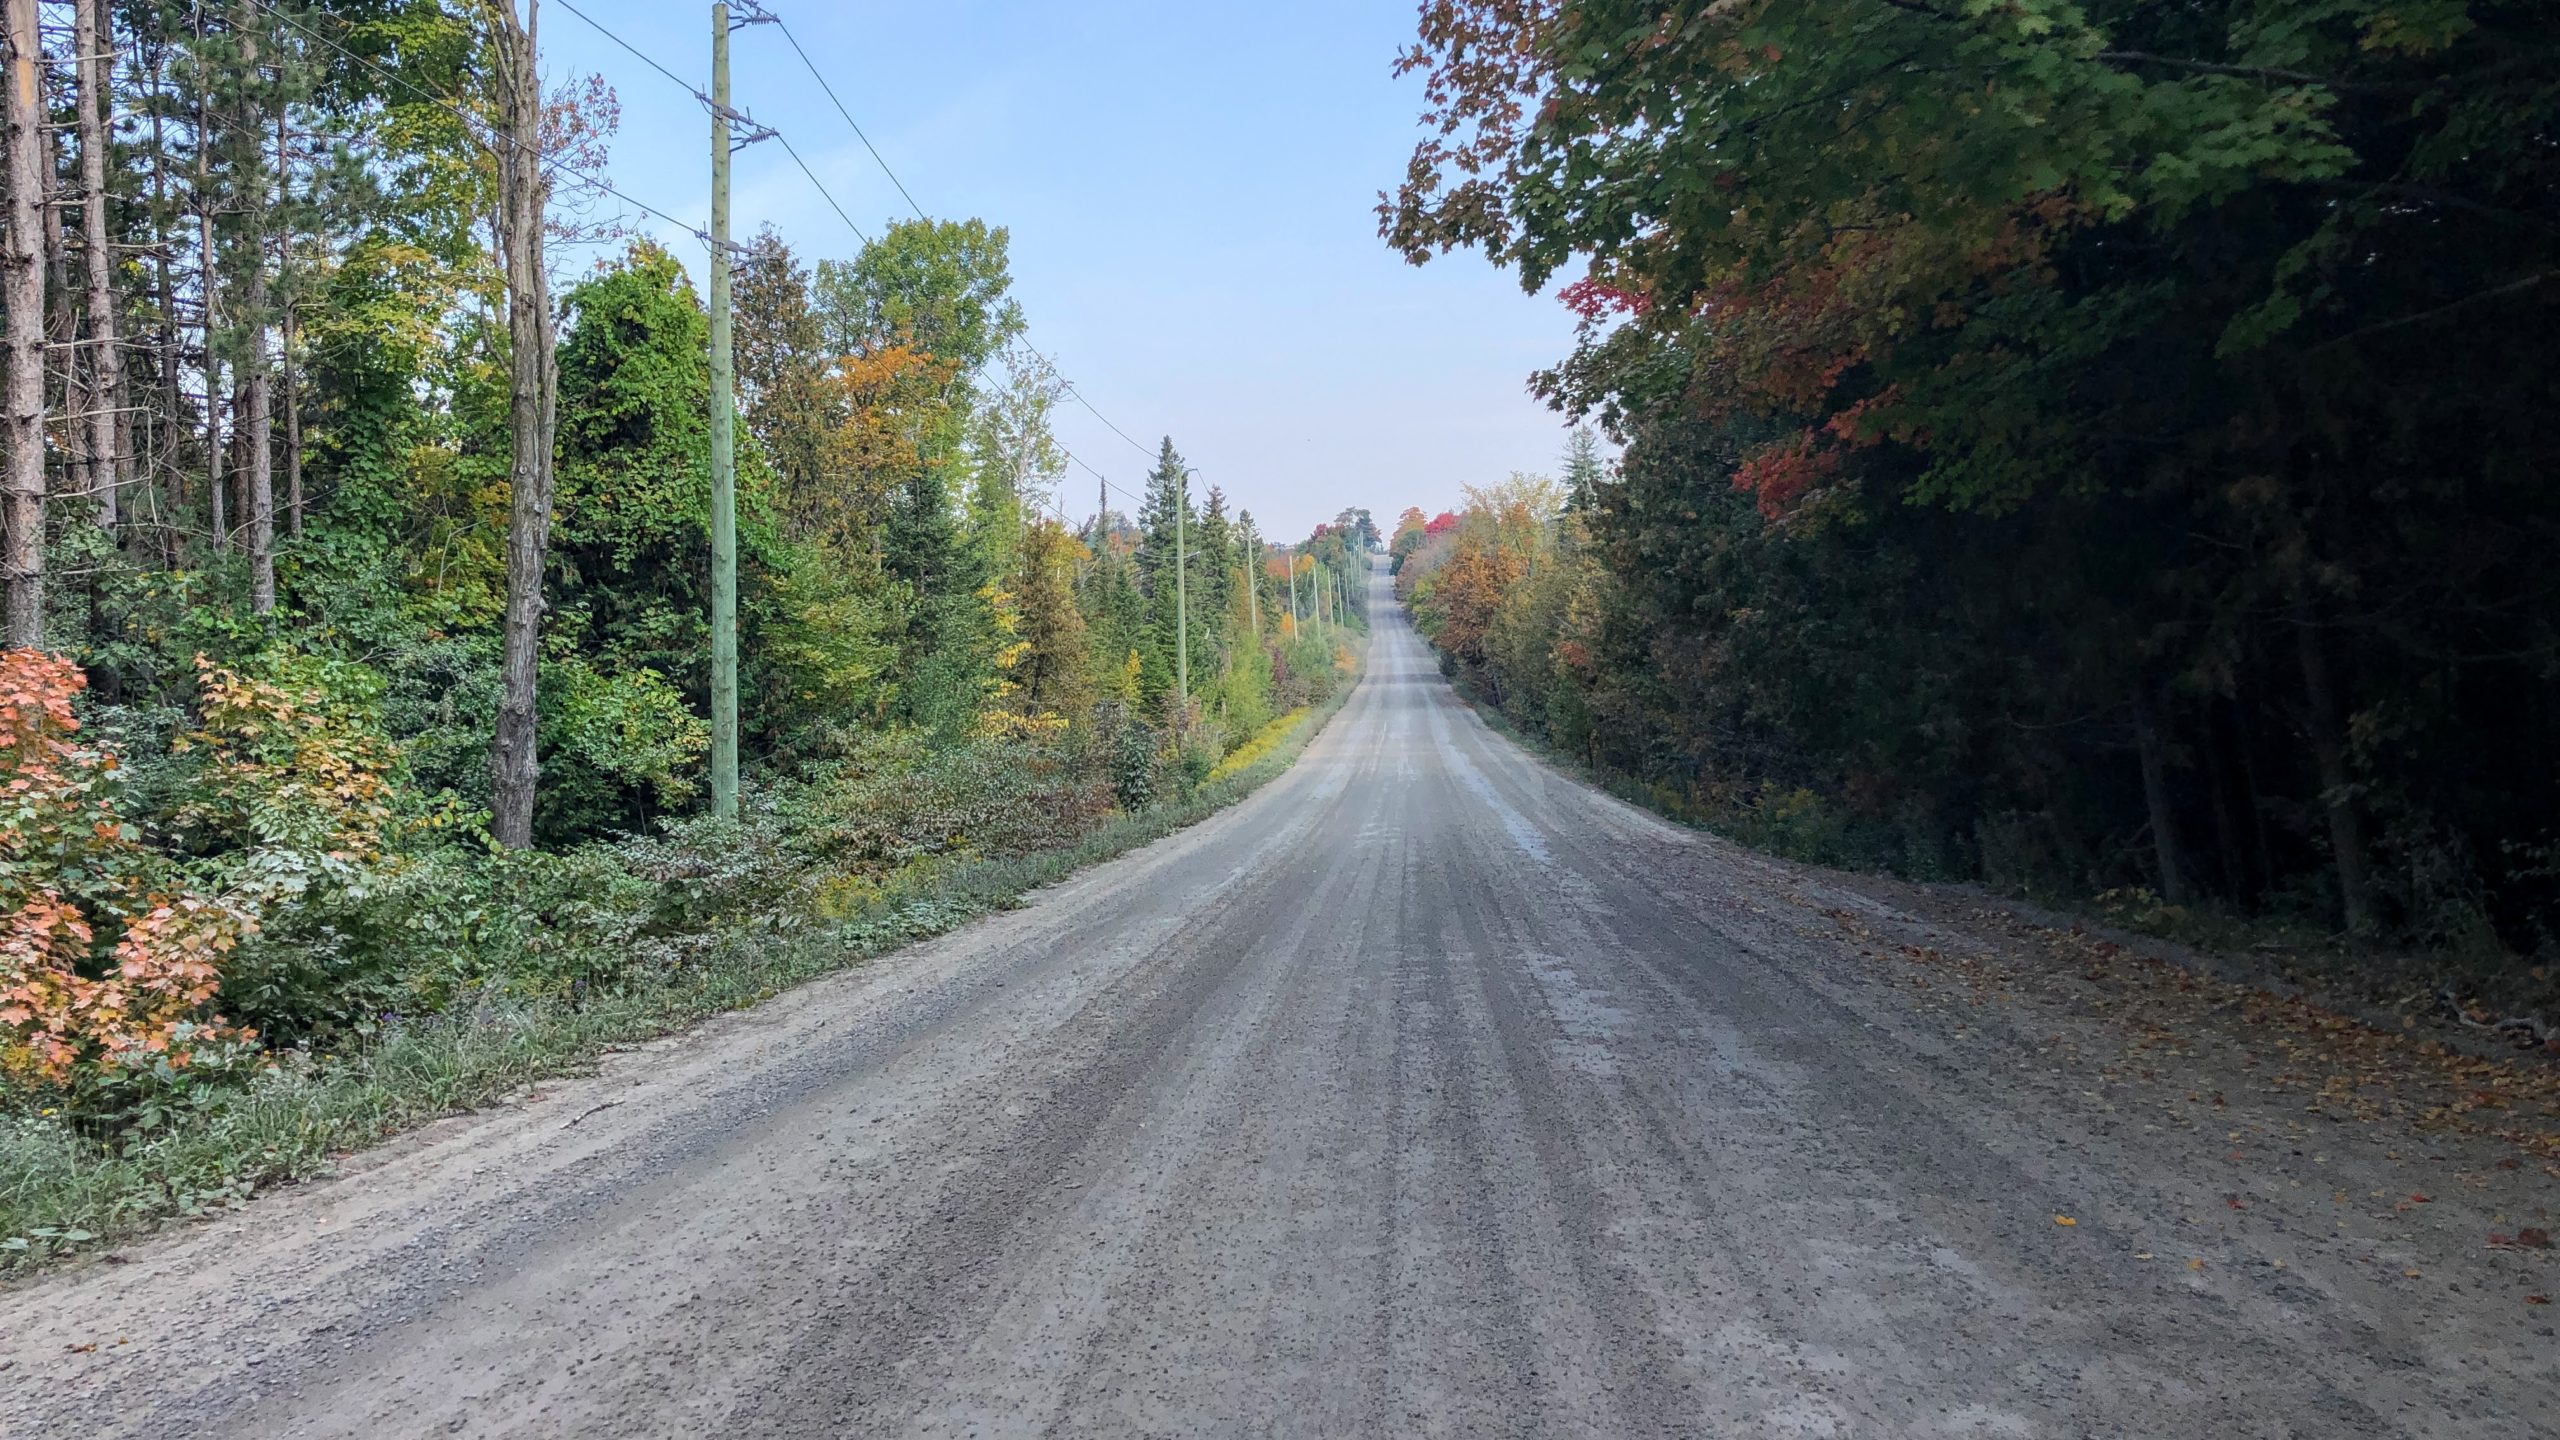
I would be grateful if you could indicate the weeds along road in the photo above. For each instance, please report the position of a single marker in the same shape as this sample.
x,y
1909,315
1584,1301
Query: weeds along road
x,y
1428,1092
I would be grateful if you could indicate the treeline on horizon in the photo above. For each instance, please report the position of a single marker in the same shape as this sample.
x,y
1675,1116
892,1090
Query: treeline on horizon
x,y
2093,447
315,445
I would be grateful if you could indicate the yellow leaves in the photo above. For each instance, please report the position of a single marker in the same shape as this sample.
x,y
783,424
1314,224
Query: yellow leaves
x,y
1260,745
2064,1220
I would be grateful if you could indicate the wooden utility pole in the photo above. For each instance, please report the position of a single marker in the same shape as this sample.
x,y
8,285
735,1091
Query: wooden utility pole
x,y
22,119
1181,591
533,390
724,467
93,33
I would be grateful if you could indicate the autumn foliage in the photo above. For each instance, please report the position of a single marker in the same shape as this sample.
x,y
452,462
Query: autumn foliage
x,y
106,959
2077,446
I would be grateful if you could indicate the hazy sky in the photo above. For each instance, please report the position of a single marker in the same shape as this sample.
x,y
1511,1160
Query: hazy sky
x,y
1190,189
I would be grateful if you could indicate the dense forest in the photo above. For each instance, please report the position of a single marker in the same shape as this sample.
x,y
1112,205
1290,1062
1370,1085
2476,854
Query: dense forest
x,y
2097,447
360,581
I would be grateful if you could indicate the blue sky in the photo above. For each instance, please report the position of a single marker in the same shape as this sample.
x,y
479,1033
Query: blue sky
x,y
1190,190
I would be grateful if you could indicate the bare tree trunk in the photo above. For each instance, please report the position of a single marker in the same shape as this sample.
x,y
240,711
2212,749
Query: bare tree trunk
x,y
258,489
173,402
94,33
62,319
2155,796
292,431
210,284
2337,792
292,375
532,396
22,299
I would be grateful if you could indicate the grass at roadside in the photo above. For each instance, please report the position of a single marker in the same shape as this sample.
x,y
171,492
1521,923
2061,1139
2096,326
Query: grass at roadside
x,y
60,1193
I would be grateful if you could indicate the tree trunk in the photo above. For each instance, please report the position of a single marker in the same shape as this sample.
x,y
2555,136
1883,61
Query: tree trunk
x,y
2337,787
22,299
62,320
292,377
211,284
172,400
258,489
532,396
2155,797
292,432
2228,849
93,40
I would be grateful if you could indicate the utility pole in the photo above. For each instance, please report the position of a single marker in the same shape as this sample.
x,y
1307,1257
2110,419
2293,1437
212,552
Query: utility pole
x,y
1182,590
724,460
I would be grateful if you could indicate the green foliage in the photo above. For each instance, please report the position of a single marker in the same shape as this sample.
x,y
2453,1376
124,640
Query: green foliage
x,y
2092,445
278,922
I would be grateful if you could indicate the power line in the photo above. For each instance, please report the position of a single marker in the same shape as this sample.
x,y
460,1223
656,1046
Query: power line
x,y
689,87
816,75
1106,420
548,162
821,186
829,196
882,161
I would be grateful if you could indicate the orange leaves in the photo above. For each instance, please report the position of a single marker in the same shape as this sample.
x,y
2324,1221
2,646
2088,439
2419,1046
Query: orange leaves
x,y
75,878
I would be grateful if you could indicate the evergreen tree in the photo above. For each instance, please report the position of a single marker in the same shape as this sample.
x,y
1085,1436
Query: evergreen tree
x,y
1583,471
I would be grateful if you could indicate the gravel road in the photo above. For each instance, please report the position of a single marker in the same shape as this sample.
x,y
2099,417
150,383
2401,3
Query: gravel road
x,y
1428,1092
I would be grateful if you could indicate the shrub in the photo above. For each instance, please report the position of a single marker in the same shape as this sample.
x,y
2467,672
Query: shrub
x,y
108,963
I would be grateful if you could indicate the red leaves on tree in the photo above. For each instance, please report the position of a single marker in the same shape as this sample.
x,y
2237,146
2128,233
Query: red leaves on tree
x,y
1780,474
1593,300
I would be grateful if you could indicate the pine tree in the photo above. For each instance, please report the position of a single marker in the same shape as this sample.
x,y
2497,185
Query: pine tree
x,y
1165,523
1583,471
781,361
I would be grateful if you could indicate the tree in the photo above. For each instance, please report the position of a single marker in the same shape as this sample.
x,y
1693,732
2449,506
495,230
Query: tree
x,y
783,389
93,30
939,286
1053,676
1015,457
1583,471
2052,363
533,397
22,506
1165,521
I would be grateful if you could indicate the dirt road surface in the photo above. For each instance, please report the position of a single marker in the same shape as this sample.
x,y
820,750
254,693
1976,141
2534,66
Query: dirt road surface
x,y
1428,1092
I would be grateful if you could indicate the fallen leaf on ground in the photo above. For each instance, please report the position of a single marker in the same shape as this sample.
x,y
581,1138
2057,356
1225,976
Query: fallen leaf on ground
x,y
2064,1220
